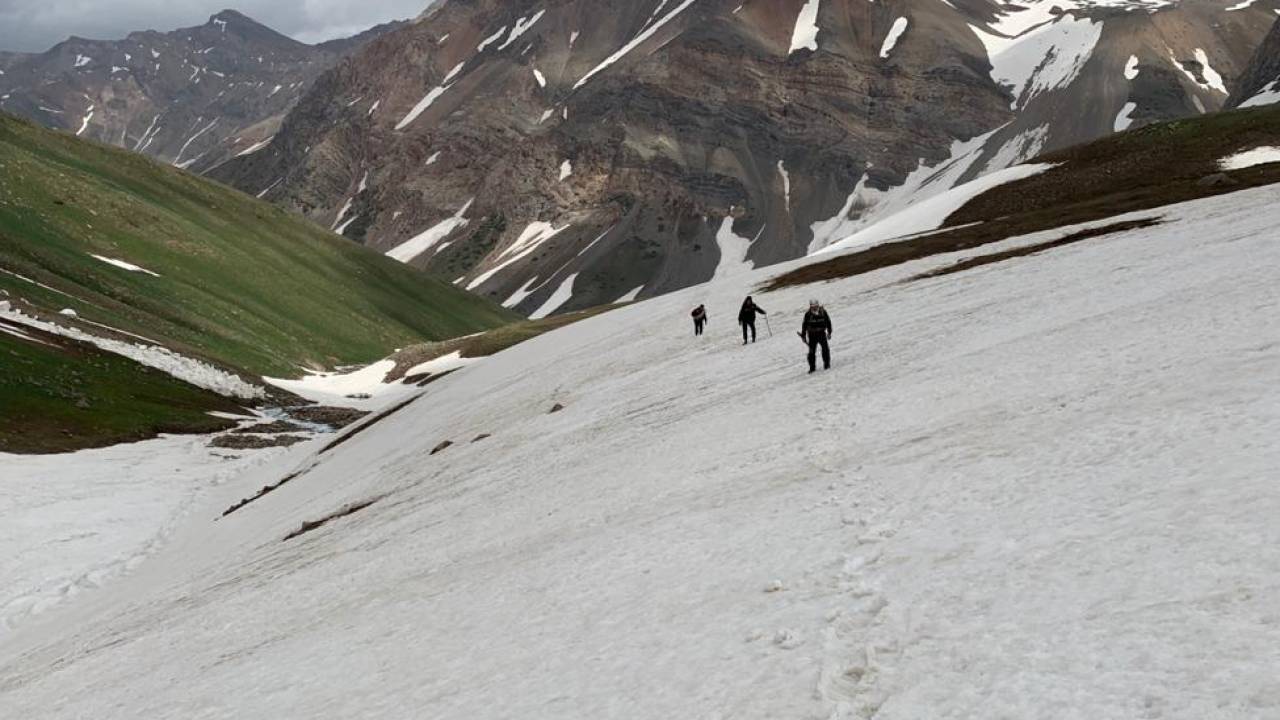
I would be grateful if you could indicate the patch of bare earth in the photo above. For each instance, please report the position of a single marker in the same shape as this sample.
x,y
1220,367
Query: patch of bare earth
x,y
345,511
993,258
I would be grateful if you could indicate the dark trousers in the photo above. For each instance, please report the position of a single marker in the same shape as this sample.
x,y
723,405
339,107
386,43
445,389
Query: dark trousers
x,y
697,326
748,325
815,340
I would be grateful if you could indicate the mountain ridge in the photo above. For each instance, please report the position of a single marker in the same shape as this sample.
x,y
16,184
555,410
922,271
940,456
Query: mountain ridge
x,y
528,149
193,97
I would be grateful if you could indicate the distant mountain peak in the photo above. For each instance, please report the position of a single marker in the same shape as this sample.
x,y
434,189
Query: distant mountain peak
x,y
194,96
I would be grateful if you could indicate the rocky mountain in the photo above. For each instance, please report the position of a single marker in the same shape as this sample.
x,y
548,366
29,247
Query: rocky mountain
x,y
556,154
193,97
1260,83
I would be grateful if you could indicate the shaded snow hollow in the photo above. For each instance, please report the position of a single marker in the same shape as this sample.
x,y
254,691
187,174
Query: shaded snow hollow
x,y
1039,488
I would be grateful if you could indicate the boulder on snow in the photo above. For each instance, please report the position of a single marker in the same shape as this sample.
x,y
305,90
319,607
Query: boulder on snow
x,y
441,447
556,408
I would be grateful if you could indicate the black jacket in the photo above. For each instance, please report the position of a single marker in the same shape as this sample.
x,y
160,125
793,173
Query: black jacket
x,y
748,312
816,322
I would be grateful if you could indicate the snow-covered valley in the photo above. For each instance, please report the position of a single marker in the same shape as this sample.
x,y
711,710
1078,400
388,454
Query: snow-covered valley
x,y
1040,488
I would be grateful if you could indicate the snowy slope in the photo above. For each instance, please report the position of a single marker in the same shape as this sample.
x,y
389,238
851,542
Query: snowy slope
x,y
1037,489
75,522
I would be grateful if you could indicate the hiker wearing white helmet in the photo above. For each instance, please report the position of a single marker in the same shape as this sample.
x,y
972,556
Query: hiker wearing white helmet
x,y
816,330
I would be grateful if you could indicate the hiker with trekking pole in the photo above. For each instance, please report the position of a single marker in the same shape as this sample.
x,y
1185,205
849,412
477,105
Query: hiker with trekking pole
x,y
747,318
815,331
699,319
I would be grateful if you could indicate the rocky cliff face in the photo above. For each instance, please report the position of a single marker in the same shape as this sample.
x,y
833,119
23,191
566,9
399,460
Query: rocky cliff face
x,y
1260,82
555,154
193,97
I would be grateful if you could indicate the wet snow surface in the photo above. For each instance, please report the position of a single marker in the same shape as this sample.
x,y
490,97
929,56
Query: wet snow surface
x,y
75,522
1043,488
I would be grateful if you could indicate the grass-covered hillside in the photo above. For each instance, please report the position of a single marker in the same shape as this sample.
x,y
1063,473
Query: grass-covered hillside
x,y
230,278
58,394
153,253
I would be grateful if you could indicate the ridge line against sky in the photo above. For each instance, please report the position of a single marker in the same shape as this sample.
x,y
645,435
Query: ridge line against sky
x,y
34,26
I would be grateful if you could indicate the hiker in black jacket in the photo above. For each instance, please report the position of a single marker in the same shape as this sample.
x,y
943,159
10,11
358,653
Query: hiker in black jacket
x,y
816,330
747,318
699,319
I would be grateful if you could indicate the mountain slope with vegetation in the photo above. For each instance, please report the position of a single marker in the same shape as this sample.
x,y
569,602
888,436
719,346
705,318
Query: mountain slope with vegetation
x,y
113,244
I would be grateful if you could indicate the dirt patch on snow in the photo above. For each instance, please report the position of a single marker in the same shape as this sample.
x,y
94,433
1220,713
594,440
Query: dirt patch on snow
x,y
311,525
992,258
335,417
233,441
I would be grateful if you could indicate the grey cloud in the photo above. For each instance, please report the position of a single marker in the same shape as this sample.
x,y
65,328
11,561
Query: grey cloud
x,y
36,25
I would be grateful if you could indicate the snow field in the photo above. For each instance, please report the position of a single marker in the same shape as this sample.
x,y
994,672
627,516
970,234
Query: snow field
x,y
77,521
1041,488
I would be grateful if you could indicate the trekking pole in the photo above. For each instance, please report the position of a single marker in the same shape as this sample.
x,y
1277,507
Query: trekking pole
x,y
768,326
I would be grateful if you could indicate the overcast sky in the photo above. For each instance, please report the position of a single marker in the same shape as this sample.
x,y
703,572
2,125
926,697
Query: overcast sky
x,y
36,25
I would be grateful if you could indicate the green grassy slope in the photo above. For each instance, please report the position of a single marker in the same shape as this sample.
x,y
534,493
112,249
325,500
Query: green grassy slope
x,y
58,394
240,282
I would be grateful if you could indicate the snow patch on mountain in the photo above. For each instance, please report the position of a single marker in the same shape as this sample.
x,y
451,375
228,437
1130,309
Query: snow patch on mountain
x,y
196,372
521,27
866,205
804,36
426,102
1042,59
1250,158
895,33
635,42
491,39
1211,76
123,265
786,183
1268,96
535,234
932,214
733,251
1131,68
562,295
424,241
365,388
523,292
84,124
255,147
1125,118
1020,148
